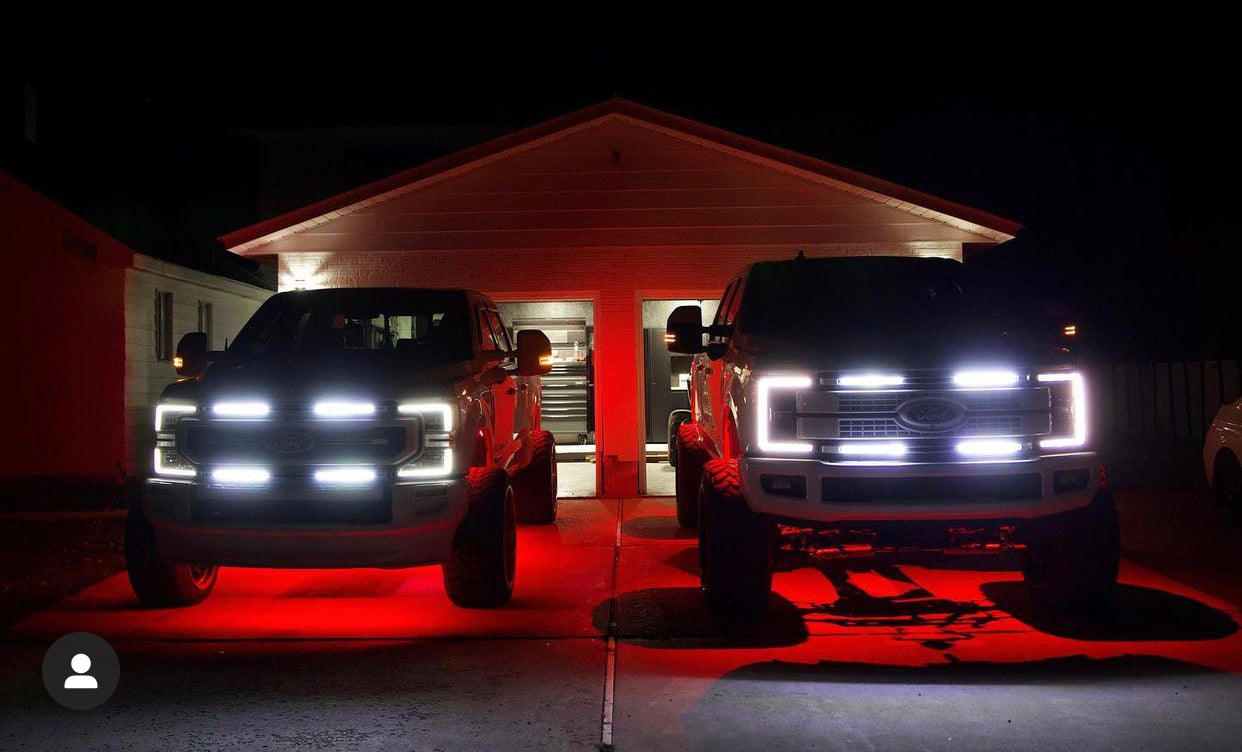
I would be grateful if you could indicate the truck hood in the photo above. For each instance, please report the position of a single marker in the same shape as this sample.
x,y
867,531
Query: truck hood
x,y
904,349
301,381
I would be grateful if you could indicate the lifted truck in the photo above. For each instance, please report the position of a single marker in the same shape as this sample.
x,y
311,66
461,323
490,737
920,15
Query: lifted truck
x,y
883,407
349,428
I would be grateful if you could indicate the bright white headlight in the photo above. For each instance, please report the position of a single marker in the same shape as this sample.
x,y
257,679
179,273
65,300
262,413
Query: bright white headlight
x,y
1078,410
763,390
167,412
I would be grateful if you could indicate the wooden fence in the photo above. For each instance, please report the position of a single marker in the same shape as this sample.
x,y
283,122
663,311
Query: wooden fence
x,y
1159,404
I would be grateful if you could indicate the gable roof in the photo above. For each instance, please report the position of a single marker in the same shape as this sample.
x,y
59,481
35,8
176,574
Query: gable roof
x,y
980,223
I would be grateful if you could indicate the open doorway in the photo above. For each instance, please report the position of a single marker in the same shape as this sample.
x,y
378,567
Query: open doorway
x,y
665,381
568,391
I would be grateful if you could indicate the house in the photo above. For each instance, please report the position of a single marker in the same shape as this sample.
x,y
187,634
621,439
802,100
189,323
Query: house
x,y
92,329
605,217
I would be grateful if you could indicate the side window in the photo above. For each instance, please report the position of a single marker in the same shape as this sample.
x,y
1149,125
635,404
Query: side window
x,y
735,304
483,332
726,300
163,325
499,331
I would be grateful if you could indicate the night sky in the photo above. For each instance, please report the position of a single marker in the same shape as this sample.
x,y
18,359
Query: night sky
x,y
1112,139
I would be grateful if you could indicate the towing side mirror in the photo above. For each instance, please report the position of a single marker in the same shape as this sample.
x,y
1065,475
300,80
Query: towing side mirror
x,y
684,332
192,354
534,353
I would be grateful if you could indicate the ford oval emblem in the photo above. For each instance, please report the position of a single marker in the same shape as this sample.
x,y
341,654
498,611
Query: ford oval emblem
x,y
931,414
289,441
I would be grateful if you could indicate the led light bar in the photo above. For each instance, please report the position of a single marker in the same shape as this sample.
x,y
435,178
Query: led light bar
x,y
166,409
763,390
989,448
346,476
871,380
1078,410
344,409
985,378
241,475
872,449
240,409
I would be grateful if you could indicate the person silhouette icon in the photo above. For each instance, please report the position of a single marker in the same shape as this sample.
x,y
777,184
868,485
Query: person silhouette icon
x,y
81,663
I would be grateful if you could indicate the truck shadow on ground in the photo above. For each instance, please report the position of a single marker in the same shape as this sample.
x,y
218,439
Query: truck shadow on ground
x,y
1135,613
656,527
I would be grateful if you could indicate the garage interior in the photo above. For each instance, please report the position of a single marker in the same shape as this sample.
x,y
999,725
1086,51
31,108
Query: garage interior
x,y
666,380
568,391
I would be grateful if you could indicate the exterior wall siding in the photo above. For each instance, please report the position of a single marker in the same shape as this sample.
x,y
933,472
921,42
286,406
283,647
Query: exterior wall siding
x,y
145,375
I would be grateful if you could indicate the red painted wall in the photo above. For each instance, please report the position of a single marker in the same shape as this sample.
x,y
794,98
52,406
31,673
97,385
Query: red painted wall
x,y
62,385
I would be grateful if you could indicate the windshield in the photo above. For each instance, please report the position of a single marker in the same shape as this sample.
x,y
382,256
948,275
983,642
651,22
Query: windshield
x,y
424,326
814,299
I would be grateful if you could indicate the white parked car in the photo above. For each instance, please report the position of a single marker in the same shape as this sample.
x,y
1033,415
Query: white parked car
x,y
1221,453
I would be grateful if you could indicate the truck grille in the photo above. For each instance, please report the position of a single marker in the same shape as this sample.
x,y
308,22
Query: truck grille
x,y
826,413
302,443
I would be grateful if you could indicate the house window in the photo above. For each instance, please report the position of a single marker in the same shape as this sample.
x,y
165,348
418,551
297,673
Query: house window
x,y
163,325
204,321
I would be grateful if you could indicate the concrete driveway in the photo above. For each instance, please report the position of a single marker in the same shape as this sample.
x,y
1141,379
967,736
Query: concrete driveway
x,y
606,641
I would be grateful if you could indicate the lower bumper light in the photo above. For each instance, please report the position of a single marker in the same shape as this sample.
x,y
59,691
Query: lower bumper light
x,y
1070,480
793,486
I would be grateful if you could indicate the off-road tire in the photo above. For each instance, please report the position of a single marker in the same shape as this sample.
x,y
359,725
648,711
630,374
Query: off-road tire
x,y
534,486
735,548
1227,486
479,572
675,419
1072,559
691,457
159,583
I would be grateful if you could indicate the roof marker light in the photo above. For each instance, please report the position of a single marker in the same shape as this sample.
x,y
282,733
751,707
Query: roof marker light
x,y
985,378
871,380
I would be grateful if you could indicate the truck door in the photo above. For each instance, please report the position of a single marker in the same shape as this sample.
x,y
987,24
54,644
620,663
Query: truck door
x,y
504,390
708,376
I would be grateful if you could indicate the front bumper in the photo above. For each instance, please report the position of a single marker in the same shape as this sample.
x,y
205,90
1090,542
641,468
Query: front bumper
x,y
820,505
419,530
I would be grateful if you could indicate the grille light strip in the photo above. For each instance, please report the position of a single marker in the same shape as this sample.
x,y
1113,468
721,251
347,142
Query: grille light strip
x,y
872,449
972,379
1078,410
871,380
241,409
332,409
763,413
346,476
989,448
241,476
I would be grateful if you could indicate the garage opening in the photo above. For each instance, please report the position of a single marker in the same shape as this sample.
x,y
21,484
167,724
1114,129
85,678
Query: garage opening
x,y
666,380
568,391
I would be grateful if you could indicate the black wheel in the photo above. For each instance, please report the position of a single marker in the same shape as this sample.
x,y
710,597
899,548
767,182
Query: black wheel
x,y
1072,559
159,583
690,461
480,569
675,419
735,547
534,487
1227,485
